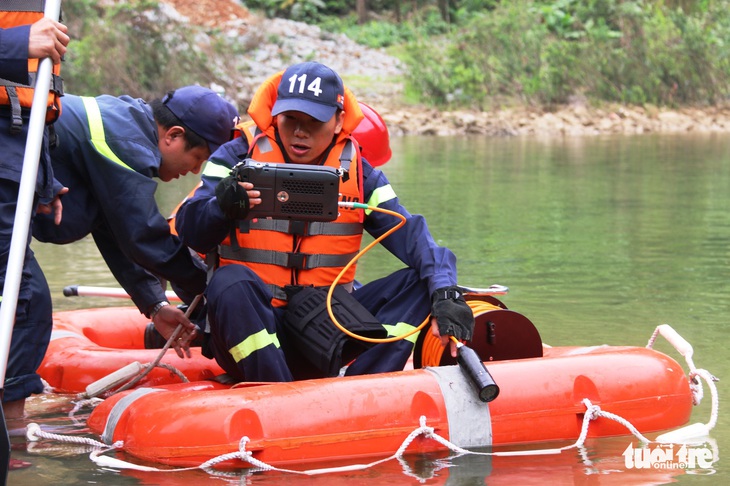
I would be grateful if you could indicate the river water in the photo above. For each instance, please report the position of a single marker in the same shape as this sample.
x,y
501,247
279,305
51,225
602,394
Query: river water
x,y
599,239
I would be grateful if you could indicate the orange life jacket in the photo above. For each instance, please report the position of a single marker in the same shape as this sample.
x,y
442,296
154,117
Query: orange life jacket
x,y
19,96
284,252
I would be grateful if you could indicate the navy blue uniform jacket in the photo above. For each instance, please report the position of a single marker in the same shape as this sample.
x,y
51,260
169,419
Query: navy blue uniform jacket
x,y
112,197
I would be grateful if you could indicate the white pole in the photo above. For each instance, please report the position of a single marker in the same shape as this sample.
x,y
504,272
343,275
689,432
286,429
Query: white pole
x,y
26,193
91,291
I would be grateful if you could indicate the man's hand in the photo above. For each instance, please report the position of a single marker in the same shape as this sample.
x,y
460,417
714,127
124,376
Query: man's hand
x,y
236,198
166,321
47,39
451,316
55,207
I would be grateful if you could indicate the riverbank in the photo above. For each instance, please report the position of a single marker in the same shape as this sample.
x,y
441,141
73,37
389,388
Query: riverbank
x,y
377,79
573,120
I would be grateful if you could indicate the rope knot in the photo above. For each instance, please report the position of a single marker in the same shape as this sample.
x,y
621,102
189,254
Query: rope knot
x,y
423,428
31,432
242,445
592,411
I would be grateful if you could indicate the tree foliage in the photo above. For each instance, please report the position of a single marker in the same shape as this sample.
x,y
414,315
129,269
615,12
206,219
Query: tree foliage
x,y
125,49
458,53
548,52
475,52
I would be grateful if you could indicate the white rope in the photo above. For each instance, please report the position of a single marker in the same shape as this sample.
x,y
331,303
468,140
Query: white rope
x,y
592,413
424,430
33,433
83,403
710,380
87,402
596,412
685,349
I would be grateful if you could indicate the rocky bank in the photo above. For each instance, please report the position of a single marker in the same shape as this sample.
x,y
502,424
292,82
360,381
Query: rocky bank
x,y
260,46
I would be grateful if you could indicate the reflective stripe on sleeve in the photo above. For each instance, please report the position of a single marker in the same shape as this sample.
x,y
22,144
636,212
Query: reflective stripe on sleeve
x,y
380,195
96,128
217,171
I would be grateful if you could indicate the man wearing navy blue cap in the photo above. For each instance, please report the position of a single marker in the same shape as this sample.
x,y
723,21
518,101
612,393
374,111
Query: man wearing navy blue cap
x,y
263,322
320,100
109,150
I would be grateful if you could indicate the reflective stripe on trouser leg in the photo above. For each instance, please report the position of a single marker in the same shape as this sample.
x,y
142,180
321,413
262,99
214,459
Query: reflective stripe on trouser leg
x,y
244,326
399,300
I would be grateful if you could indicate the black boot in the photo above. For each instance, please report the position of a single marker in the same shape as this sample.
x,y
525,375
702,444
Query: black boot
x,y
152,338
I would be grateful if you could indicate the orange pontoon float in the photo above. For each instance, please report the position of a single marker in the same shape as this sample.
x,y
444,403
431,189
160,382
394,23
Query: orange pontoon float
x,y
90,344
541,399
543,392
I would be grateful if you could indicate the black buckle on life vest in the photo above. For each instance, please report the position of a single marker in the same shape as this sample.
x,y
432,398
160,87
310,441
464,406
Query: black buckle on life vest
x,y
244,226
296,260
57,85
298,228
345,160
16,113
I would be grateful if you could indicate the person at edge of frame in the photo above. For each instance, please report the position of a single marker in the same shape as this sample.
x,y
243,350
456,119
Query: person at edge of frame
x,y
19,45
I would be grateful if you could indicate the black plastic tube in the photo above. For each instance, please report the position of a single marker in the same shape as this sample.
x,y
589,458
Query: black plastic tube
x,y
474,368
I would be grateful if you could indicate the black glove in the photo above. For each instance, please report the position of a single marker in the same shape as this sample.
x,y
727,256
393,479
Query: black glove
x,y
232,198
453,314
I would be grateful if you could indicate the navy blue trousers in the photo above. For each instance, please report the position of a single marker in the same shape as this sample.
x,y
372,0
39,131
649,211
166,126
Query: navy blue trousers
x,y
33,316
248,338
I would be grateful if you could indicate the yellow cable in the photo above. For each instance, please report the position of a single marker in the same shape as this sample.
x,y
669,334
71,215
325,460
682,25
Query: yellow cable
x,y
432,350
480,306
477,306
352,262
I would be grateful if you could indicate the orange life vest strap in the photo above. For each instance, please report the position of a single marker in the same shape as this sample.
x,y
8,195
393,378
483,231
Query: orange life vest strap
x,y
300,261
302,228
19,96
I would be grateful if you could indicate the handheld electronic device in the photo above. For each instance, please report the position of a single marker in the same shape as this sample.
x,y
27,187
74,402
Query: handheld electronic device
x,y
292,191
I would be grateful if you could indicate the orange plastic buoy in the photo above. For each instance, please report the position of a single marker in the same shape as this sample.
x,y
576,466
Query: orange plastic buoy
x,y
540,399
90,344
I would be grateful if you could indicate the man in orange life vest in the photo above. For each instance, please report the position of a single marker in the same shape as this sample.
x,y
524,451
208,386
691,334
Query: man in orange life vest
x,y
306,116
31,331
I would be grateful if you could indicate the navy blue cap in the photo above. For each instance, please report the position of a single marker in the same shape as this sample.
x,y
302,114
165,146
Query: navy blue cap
x,y
311,88
205,112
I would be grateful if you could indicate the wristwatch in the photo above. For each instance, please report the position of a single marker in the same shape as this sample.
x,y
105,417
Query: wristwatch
x,y
157,308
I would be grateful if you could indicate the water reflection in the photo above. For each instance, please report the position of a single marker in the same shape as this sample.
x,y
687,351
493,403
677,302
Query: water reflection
x,y
599,239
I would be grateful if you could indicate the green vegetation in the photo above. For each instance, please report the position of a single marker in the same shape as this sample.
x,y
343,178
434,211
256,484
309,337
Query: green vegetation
x,y
123,49
458,53
545,53
477,53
